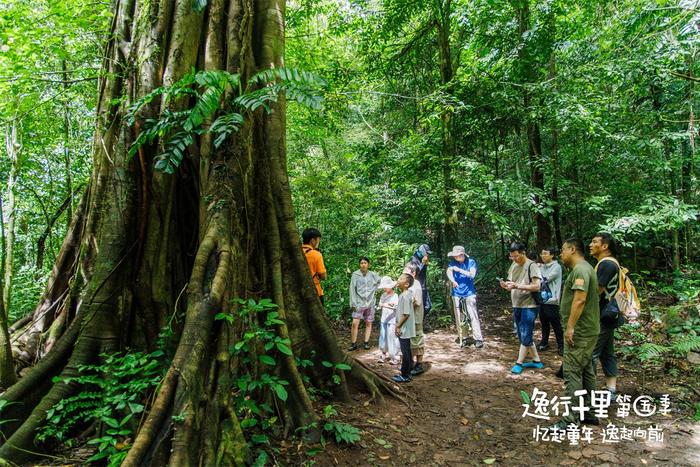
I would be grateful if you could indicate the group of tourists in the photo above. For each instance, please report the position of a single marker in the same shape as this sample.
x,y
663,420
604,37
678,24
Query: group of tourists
x,y
401,335
582,312
402,314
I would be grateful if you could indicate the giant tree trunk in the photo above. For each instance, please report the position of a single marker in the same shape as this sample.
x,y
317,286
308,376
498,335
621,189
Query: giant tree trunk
x,y
222,227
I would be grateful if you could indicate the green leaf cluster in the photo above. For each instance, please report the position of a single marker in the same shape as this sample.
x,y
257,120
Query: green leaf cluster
x,y
215,103
113,392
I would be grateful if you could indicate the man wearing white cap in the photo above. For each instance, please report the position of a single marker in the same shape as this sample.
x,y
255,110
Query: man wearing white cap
x,y
461,271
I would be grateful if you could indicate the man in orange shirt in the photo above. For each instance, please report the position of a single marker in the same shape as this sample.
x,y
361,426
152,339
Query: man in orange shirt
x,y
311,238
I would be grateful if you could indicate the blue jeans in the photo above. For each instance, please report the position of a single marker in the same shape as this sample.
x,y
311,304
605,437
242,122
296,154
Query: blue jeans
x,y
524,319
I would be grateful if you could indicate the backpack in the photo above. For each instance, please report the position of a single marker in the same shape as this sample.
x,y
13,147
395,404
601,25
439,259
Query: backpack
x,y
545,291
626,294
538,297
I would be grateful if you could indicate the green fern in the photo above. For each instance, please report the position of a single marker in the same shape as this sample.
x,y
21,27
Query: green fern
x,y
681,345
224,126
175,149
208,90
650,351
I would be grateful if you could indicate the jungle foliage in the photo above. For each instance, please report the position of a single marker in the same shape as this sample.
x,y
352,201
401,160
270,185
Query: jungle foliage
x,y
472,122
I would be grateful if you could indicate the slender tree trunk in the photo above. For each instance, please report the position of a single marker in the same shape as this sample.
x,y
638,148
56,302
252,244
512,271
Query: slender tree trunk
x,y
50,222
687,175
12,149
222,227
442,12
497,143
66,144
552,75
528,66
7,366
673,190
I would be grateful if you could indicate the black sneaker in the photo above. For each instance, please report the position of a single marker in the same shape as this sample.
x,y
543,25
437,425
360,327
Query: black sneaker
x,y
479,344
352,347
418,369
366,346
560,372
542,347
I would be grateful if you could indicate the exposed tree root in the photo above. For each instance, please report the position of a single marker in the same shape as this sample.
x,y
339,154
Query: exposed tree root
x,y
375,384
16,446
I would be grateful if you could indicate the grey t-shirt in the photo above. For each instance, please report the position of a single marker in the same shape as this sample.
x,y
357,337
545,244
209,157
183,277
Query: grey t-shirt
x,y
552,271
519,275
405,307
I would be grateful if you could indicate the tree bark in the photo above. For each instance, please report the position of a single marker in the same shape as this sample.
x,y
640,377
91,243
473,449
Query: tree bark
x,y
551,76
534,140
222,227
66,143
7,366
12,148
442,10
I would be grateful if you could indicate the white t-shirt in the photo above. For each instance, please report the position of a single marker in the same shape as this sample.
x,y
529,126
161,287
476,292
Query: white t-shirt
x,y
405,307
388,304
417,292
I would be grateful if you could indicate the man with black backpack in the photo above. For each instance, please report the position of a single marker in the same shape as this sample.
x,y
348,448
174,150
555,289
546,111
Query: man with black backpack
x,y
604,248
524,286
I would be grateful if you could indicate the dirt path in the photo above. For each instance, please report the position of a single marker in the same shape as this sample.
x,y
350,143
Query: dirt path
x,y
467,410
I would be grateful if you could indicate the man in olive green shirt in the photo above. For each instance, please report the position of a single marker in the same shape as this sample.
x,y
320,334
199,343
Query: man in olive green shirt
x,y
580,314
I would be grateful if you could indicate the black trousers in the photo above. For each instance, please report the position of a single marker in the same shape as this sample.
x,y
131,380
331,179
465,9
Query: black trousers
x,y
406,357
550,317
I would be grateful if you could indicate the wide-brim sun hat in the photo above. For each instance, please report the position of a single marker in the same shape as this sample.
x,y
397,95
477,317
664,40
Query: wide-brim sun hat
x,y
387,283
456,251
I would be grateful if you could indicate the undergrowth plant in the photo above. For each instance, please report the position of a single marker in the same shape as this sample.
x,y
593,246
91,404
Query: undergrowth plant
x,y
112,398
255,390
257,349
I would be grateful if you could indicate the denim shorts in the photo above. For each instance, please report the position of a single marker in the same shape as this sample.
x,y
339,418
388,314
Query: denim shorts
x,y
524,319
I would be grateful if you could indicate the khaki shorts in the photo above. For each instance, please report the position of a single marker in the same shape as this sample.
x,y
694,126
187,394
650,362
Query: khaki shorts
x,y
418,342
